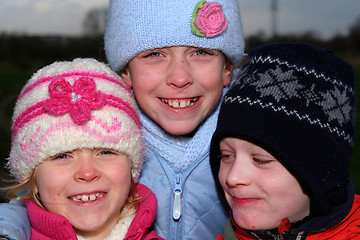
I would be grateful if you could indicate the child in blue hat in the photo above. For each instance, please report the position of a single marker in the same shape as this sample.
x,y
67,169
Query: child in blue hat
x,y
178,57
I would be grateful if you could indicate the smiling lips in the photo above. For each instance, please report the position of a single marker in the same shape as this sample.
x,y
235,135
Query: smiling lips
x,y
244,200
87,197
180,103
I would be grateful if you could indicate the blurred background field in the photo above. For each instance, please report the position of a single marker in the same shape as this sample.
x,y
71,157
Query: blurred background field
x,y
23,53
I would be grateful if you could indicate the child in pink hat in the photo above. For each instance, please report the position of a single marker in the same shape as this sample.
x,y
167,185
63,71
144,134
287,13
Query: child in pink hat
x,y
77,153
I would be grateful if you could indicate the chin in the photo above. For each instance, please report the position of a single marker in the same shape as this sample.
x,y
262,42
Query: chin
x,y
182,128
181,131
252,223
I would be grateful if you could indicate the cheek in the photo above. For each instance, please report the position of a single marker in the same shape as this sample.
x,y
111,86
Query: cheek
x,y
121,180
146,78
50,182
50,189
223,173
214,87
120,176
284,187
295,193
211,79
140,89
210,74
144,87
275,188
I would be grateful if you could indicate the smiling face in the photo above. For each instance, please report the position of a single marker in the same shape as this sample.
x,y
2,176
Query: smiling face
x,y
88,187
178,87
259,189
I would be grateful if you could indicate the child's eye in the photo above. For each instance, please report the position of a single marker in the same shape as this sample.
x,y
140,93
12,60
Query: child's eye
x,y
226,157
60,156
262,161
201,52
106,152
153,54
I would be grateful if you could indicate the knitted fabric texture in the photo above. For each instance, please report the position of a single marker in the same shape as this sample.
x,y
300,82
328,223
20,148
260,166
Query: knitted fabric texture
x,y
72,105
296,101
137,25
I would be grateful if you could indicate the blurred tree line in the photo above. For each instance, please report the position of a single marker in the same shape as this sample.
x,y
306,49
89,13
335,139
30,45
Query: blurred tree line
x,y
22,55
346,46
27,53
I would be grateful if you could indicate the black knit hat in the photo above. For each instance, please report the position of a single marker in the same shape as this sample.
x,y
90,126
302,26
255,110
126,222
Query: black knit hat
x,y
296,101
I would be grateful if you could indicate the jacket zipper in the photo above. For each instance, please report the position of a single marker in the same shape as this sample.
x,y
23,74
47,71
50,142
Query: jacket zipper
x,y
177,210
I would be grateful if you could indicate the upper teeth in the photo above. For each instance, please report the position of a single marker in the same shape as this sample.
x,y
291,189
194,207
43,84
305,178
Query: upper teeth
x,y
180,103
87,198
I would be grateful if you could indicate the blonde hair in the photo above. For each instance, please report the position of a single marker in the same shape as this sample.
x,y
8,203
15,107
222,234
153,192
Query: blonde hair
x,y
23,189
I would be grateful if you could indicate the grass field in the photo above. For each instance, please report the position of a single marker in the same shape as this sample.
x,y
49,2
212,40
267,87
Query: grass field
x,y
11,84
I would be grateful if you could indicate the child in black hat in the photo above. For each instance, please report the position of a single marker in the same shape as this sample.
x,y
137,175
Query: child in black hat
x,y
283,145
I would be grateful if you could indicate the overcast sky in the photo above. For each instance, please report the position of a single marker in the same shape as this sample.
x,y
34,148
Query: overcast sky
x,y
326,17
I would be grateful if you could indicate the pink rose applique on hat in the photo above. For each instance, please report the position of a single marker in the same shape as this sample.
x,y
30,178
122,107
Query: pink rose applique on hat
x,y
208,19
77,100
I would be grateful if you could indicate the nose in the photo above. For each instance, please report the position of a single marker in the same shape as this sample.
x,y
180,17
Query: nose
x,y
239,174
87,170
179,74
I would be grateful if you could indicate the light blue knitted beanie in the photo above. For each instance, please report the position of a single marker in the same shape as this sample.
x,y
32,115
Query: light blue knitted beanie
x,y
138,25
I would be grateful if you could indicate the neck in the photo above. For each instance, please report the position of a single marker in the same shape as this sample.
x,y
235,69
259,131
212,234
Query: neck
x,y
99,234
115,230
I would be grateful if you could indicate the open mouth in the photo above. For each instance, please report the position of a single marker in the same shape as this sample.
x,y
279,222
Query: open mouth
x,y
180,103
87,197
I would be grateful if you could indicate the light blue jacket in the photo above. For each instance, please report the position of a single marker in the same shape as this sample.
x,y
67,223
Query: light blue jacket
x,y
177,170
14,221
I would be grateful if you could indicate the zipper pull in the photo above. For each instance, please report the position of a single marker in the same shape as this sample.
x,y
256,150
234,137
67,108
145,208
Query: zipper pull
x,y
177,206
177,211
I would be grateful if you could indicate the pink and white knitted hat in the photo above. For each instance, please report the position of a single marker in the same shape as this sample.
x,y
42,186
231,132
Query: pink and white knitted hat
x,y
72,105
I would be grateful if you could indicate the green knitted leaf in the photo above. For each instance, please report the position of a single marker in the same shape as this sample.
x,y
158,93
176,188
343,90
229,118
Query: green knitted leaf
x,y
194,28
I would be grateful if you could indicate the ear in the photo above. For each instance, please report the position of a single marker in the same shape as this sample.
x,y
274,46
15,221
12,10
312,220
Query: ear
x,y
125,75
228,69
